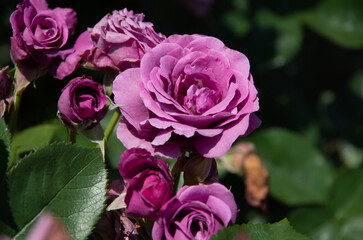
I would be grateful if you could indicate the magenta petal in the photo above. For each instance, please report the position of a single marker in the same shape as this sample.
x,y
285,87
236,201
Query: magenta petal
x,y
162,137
140,206
129,137
39,4
125,89
69,16
220,144
220,209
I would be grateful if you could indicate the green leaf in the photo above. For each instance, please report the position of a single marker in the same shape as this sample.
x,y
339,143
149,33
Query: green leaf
x,y
309,219
299,174
356,84
5,229
30,139
66,180
237,23
237,19
342,217
276,231
346,201
339,21
289,34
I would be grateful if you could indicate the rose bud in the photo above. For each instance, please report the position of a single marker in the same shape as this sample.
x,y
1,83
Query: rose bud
x,y
196,212
81,104
117,42
148,180
6,91
5,83
39,37
190,92
197,169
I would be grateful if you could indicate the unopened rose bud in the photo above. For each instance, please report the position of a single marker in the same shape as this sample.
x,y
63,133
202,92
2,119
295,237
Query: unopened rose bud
x,y
148,180
81,104
197,169
5,83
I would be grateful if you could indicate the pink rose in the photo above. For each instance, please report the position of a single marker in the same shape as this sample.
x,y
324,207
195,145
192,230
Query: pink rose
x,y
196,212
148,180
39,37
118,41
81,104
190,92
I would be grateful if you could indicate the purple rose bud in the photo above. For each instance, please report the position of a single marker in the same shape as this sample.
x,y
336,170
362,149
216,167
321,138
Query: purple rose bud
x,y
39,34
118,41
5,83
149,182
81,104
196,212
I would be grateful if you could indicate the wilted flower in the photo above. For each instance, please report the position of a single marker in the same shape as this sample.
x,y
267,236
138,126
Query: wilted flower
x,y
115,224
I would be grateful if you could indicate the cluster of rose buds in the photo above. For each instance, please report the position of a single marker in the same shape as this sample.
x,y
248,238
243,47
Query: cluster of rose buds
x,y
183,96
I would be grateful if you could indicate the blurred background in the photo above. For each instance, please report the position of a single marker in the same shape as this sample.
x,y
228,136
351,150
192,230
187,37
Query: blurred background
x,y
306,59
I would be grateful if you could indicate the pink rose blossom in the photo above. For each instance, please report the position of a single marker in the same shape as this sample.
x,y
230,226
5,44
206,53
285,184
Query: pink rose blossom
x,y
190,92
40,35
117,42
196,212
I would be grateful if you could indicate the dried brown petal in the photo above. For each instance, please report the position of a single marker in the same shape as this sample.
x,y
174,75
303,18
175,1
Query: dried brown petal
x,y
256,180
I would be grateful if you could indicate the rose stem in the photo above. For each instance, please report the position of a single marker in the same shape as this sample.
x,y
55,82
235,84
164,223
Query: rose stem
x,y
176,179
72,136
15,112
114,120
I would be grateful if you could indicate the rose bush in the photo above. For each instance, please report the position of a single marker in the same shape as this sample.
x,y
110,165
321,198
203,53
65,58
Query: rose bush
x,y
118,41
39,36
190,92
196,212
81,104
148,180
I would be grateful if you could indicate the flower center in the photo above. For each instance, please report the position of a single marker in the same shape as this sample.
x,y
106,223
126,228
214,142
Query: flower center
x,y
199,99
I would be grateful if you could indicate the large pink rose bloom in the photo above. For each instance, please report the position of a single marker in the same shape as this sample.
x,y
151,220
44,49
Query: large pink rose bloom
x,y
118,41
190,92
39,38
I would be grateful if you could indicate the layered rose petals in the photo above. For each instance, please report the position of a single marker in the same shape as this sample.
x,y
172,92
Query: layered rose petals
x,y
190,92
